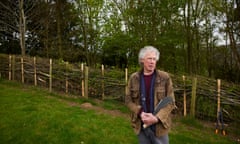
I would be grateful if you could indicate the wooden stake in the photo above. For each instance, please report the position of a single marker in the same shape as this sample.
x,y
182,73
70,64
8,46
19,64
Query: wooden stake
x,y
22,69
10,68
50,75
103,95
184,98
35,71
82,80
86,82
66,83
126,80
218,96
193,100
13,67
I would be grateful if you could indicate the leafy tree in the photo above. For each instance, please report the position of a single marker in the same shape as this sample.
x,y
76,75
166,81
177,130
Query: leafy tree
x,y
116,50
89,27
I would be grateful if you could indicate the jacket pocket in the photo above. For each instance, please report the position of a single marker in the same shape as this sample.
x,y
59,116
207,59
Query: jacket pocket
x,y
160,92
135,96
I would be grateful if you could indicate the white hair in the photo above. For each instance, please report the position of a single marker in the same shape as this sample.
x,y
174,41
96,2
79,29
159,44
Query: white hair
x,y
146,49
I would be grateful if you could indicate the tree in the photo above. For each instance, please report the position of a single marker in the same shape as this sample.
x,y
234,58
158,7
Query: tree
x,y
14,15
15,18
9,21
233,27
89,28
151,23
228,12
22,26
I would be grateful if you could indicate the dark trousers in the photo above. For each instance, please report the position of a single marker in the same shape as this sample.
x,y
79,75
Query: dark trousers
x,y
144,139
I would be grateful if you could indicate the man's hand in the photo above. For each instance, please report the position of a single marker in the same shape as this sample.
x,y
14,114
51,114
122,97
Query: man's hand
x,y
148,119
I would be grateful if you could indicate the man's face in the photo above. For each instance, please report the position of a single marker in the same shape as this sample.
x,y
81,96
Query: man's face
x,y
149,62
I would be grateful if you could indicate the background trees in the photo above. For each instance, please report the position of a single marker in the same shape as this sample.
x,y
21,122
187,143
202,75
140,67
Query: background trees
x,y
195,37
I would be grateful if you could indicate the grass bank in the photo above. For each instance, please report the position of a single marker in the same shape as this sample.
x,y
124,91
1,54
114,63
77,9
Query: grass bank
x,y
32,115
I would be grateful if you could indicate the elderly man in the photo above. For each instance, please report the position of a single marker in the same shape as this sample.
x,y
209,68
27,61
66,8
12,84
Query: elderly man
x,y
147,89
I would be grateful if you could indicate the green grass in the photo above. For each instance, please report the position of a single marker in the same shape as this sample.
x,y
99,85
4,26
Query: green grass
x,y
32,115
192,131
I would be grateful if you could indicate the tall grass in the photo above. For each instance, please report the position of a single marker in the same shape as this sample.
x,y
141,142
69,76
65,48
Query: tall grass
x,y
32,115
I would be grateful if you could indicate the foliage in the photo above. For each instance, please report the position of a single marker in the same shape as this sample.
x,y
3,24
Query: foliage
x,y
116,52
112,32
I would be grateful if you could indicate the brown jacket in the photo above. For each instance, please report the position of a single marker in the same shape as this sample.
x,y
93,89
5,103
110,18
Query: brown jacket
x,y
163,87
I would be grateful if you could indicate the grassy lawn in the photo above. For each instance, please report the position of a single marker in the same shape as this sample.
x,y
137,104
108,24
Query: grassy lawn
x,y
33,115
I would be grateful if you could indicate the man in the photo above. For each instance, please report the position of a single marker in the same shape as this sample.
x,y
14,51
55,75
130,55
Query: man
x,y
146,89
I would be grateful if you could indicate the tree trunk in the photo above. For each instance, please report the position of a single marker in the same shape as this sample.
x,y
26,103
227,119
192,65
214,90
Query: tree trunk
x,y
59,35
189,37
233,44
22,27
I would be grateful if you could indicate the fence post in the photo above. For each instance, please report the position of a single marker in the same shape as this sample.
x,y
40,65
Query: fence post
x,y
82,80
103,95
13,67
184,97
10,68
50,75
193,100
86,82
22,69
35,71
218,96
126,80
66,83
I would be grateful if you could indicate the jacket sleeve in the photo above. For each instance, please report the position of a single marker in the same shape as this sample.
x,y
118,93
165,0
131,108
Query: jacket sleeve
x,y
132,96
164,114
